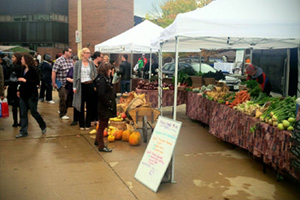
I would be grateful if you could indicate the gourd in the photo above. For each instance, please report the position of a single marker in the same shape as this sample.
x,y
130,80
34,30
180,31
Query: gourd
x,y
135,139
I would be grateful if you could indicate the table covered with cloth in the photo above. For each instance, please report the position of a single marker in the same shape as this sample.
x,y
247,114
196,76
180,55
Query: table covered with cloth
x,y
199,108
262,140
167,98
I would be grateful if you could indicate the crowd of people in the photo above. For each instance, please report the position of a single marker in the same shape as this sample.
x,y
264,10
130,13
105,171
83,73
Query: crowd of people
x,y
83,82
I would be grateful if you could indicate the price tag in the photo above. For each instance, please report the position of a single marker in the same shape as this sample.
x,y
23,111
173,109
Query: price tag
x,y
236,87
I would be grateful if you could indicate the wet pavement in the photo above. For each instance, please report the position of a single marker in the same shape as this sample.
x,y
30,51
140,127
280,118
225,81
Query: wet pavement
x,y
64,164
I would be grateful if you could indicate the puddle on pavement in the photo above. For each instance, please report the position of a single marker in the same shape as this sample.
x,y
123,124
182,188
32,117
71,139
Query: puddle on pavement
x,y
112,164
228,153
257,189
129,184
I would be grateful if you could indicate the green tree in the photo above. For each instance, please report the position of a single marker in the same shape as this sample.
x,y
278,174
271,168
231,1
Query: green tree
x,y
171,8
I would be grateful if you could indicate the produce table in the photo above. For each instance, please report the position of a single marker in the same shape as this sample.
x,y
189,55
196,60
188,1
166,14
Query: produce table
x,y
266,142
168,97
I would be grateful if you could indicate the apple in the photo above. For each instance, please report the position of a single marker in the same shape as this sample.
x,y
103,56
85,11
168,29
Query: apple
x,y
123,115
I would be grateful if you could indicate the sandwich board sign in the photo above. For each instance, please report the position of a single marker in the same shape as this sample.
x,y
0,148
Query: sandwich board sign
x,y
158,153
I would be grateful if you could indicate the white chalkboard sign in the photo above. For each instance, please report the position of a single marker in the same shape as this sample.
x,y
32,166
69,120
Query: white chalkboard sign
x,y
158,153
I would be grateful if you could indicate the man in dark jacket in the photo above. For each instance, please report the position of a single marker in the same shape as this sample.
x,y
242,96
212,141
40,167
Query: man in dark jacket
x,y
46,72
125,72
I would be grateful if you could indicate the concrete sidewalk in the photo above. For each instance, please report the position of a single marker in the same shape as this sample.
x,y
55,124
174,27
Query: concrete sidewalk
x,y
64,164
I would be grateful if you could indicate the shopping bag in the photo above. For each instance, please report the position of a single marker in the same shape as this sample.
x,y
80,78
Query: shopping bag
x,y
4,109
116,78
136,67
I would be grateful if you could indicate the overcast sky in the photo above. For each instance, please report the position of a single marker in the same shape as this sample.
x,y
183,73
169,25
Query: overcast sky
x,y
141,7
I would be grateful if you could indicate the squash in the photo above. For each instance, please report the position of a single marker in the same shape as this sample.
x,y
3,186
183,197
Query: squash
x,y
135,138
118,134
111,138
105,133
125,135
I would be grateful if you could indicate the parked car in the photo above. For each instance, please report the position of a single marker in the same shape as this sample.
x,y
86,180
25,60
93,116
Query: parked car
x,y
169,68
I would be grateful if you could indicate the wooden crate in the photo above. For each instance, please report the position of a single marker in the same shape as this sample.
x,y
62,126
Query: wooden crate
x,y
209,81
197,81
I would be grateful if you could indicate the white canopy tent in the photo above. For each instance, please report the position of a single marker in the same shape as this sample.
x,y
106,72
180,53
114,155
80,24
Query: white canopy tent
x,y
232,24
225,24
134,40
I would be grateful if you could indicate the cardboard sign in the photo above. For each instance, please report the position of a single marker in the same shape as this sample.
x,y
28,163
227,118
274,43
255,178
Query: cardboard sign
x,y
158,153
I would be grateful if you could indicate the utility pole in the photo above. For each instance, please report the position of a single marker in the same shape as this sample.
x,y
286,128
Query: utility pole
x,y
79,26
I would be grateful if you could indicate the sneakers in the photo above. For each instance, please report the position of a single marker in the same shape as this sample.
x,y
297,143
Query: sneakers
x,y
51,102
105,149
44,130
21,135
41,100
87,128
81,128
65,117
74,123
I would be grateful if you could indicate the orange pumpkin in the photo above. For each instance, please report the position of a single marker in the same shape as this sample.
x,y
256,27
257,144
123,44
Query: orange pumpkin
x,y
125,135
105,133
111,138
135,139
118,134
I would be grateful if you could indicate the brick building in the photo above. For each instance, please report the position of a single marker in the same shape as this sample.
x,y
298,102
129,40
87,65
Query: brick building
x,y
101,20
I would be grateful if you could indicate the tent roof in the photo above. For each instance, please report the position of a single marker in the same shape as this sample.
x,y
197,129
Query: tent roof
x,y
225,24
136,39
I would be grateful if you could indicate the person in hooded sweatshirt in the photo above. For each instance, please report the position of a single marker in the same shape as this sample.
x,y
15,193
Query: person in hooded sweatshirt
x,y
256,73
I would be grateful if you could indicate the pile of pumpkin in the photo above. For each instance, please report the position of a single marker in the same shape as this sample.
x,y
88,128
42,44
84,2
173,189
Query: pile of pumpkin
x,y
113,134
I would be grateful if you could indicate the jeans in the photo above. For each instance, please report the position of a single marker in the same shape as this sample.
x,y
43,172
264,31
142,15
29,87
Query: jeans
x,y
63,94
45,86
30,104
125,86
86,94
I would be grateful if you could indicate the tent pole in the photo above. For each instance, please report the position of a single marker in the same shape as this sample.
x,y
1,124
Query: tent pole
x,y
200,61
176,78
175,101
298,91
287,73
160,81
251,55
150,64
131,58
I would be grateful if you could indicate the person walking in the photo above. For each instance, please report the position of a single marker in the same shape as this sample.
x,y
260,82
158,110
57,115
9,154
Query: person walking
x,y
28,94
106,103
14,72
97,59
46,86
59,75
83,87
125,72
69,87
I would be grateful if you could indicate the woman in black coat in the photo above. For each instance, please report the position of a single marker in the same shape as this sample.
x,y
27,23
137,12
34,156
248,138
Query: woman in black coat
x,y
28,94
14,72
106,103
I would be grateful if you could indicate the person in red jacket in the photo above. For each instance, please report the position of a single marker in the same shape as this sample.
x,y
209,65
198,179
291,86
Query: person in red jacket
x,y
256,73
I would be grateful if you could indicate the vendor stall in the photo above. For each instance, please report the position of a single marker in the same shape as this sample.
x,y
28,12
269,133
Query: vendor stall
x,y
264,141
